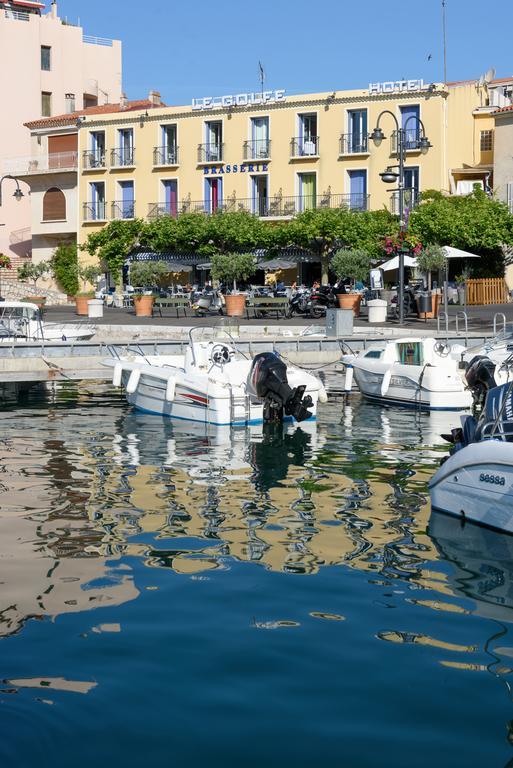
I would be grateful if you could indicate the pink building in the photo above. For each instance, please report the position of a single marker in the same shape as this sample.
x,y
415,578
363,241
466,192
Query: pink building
x,y
50,67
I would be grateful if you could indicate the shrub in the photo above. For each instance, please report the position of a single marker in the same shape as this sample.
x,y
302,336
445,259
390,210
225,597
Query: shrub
x,y
355,264
230,267
147,273
64,266
34,272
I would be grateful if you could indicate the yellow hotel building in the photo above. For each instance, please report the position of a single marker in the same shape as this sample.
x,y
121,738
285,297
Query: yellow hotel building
x,y
276,154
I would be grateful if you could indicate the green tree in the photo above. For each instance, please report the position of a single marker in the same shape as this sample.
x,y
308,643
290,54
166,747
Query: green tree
x,y
475,223
430,259
145,274
113,244
230,267
34,272
65,267
353,263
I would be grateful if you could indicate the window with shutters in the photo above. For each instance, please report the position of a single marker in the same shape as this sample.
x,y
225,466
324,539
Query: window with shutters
x,y
54,205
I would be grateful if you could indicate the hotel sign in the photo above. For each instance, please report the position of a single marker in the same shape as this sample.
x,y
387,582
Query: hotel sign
x,y
238,100
397,86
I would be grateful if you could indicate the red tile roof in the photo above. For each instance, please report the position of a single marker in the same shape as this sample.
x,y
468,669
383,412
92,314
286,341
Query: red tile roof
x,y
102,109
24,3
504,109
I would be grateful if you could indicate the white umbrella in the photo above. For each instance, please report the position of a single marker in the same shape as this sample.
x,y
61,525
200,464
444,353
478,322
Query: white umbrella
x,y
391,264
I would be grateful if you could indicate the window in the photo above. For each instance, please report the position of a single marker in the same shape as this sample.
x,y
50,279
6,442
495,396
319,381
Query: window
x,y
307,191
308,141
125,153
70,103
486,141
46,60
90,101
213,141
410,122
46,104
54,205
95,210
170,195
168,150
259,146
124,208
357,131
358,189
259,195
213,195
95,157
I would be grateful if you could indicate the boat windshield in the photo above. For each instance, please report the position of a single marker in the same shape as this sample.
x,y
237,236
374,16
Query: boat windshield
x,y
410,353
17,313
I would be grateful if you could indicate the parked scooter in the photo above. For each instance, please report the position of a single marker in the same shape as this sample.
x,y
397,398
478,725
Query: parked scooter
x,y
409,302
299,303
208,302
321,299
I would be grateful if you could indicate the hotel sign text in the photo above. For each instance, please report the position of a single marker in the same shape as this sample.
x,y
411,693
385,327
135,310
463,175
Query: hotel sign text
x,y
239,100
397,86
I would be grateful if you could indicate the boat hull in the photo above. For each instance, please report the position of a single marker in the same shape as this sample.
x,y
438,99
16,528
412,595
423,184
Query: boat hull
x,y
406,391
476,484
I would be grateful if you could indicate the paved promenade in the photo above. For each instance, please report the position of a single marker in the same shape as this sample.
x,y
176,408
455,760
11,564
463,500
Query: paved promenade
x,y
479,318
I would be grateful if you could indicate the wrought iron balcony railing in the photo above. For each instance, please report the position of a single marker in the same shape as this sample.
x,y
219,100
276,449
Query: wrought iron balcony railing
x,y
165,156
95,211
123,209
304,147
210,153
121,158
259,149
354,144
264,207
410,200
93,158
411,140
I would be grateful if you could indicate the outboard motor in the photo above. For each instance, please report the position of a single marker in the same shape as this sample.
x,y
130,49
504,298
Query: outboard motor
x,y
267,380
480,376
496,418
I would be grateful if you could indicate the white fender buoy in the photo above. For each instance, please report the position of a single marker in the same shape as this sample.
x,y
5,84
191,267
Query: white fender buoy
x,y
116,376
348,381
386,382
133,381
170,389
323,396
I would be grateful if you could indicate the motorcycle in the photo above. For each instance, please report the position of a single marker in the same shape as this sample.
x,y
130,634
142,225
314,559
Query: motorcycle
x,y
299,303
207,303
410,306
321,299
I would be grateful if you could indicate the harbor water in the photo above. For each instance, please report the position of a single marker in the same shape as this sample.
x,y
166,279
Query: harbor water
x,y
181,596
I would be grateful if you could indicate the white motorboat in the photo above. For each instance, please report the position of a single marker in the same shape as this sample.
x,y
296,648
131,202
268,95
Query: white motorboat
x,y
22,321
215,383
475,482
413,372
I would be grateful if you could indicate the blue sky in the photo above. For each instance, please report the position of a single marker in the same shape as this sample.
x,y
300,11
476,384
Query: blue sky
x,y
200,48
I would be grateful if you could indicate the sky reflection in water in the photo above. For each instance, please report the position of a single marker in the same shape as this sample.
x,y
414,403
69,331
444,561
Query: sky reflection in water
x,y
284,593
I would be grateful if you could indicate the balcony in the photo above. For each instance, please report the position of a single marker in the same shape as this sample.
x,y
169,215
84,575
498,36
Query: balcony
x,y
123,209
412,138
165,156
122,158
301,147
263,207
93,159
210,153
92,40
56,162
257,150
354,144
411,200
94,212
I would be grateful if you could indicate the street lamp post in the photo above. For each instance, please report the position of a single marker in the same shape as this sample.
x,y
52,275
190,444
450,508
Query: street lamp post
x,y
390,175
18,194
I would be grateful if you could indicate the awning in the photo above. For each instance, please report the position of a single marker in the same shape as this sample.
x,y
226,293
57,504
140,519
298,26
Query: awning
x,y
274,264
391,264
457,253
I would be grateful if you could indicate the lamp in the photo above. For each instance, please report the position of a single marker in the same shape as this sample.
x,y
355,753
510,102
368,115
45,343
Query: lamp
x,y
424,145
377,136
389,176
17,194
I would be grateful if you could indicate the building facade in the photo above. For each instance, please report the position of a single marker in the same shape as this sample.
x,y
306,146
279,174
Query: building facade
x,y
503,155
276,155
53,69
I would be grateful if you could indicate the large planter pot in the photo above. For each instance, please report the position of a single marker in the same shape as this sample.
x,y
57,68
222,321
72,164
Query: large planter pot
x,y
39,300
350,301
435,303
143,306
235,304
81,304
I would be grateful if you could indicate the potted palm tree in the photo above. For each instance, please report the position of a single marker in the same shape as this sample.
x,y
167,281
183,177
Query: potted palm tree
x,y
88,276
34,273
431,259
146,274
228,268
355,264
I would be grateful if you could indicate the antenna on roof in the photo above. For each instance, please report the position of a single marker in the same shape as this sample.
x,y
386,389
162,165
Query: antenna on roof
x,y
444,41
489,75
